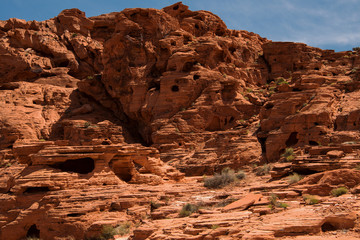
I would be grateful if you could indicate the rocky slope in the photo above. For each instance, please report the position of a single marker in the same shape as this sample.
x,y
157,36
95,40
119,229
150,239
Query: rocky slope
x,y
102,118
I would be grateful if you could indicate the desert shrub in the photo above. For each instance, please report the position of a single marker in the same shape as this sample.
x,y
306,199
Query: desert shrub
x,y
154,205
108,231
288,154
275,203
263,170
188,209
123,229
280,81
311,199
226,177
215,226
294,178
339,191
240,174
356,49
87,124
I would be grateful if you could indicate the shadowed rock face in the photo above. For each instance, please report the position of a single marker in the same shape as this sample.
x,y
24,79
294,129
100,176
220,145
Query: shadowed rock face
x,y
91,108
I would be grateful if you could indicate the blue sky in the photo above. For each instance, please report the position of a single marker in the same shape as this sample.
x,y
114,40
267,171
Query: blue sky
x,y
328,24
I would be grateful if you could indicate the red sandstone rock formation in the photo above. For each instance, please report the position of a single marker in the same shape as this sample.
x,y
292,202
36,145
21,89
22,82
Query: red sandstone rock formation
x,y
95,109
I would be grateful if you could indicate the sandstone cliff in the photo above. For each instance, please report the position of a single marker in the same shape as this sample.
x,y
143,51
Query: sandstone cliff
x,y
95,109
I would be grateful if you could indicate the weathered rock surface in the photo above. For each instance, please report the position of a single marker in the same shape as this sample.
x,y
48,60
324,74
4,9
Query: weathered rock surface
x,y
100,115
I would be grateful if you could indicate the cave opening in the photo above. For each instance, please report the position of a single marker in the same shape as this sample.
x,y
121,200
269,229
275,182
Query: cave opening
x,y
34,190
175,88
33,232
63,63
122,169
196,77
292,140
262,141
313,143
154,85
328,227
81,165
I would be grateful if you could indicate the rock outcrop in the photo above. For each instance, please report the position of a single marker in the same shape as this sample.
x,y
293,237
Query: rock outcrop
x,y
103,116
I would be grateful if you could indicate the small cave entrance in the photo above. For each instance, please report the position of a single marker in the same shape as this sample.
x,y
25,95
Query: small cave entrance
x,y
33,232
175,88
154,85
62,63
262,142
196,77
35,190
292,140
313,143
122,169
328,227
81,165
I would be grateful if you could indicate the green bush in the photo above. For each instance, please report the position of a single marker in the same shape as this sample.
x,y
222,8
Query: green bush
x,y
188,209
226,177
339,191
311,199
280,81
288,154
294,178
263,170
275,203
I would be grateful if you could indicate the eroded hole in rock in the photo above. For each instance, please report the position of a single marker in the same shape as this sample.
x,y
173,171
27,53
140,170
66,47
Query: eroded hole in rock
x,y
9,86
34,190
176,7
105,143
328,227
262,142
33,232
122,169
63,63
154,85
313,143
269,105
81,165
197,26
175,88
292,140
196,77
